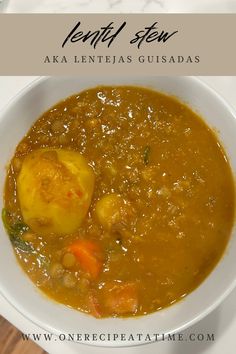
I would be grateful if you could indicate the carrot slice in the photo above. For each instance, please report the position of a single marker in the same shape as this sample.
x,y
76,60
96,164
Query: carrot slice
x,y
120,298
89,256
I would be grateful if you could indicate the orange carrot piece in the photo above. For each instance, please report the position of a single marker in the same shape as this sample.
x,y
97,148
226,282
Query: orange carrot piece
x,y
121,298
89,256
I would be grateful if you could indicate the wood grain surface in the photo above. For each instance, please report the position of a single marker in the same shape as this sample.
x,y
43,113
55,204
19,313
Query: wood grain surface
x,y
11,341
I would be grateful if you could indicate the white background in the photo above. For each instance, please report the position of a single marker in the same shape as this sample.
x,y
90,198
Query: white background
x,y
222,322
121,6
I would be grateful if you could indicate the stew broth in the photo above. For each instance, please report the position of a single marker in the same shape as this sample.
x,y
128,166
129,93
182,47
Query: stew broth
x,y
161,210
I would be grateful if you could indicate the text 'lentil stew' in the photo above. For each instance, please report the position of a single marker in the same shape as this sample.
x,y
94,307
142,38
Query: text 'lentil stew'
x,y
119,201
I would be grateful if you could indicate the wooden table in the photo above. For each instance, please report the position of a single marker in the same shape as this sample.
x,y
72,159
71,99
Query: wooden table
x,y
11,341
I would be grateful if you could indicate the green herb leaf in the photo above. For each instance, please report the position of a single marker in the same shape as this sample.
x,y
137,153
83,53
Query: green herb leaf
x,y
146,154
15,231
20,227
21,244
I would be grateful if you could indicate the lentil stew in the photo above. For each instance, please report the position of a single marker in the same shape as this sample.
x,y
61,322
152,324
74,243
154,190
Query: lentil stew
x,y
119,201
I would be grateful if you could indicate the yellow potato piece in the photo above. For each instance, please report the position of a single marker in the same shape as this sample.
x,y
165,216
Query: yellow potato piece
x,y
55,188
109,210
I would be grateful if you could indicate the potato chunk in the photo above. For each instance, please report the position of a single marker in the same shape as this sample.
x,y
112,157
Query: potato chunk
x,y
111,209
54,188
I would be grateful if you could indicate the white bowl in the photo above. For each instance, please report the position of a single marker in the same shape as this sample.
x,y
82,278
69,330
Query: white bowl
x,y
56,318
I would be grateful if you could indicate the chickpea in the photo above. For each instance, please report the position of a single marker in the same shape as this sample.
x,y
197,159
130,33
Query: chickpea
x,y
58,127
75,124
110,210
83,285
56,270
44,139
149,174
69,280
92,123
68,260
63,139
58,255
81,104
164,192
110,170
28,236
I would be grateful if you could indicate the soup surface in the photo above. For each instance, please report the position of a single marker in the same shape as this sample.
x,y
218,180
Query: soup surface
x,y
119,201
